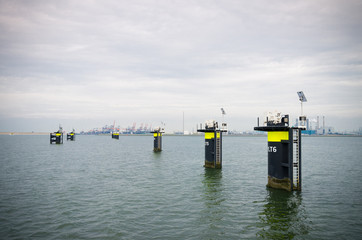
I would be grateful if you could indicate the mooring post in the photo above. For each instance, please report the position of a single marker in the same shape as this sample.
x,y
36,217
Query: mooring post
x,y
115,135
284,152
57,137
71,136
213,144
157,139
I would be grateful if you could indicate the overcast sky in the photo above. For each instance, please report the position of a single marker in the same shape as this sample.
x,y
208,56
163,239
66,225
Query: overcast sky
x,y
88,63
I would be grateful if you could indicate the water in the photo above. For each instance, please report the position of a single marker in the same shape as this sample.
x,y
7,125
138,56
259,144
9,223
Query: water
x,y
101,188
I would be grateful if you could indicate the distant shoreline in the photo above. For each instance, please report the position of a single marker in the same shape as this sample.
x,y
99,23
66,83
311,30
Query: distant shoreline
x,y
229,135
24,133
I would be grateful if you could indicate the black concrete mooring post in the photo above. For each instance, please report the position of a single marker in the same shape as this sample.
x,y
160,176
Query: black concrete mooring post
x,y
157,139
284,153
115,135
71,136
213,144
57,137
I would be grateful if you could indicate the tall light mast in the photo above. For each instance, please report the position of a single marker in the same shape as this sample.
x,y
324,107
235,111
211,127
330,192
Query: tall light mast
x,y
302,117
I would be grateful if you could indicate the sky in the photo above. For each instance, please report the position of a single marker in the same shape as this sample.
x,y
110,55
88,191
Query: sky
x,y
84,64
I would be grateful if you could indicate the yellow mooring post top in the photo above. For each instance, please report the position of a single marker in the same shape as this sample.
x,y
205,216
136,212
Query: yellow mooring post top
x,y
278,136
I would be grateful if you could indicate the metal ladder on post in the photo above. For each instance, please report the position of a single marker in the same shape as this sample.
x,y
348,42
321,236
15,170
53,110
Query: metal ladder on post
x,y
296,160
217,150
158,141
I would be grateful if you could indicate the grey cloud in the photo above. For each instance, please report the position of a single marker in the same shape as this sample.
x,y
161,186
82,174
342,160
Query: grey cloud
x,y
112,57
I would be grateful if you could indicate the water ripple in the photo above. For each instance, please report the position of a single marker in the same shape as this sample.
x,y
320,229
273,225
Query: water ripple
x,y
100,188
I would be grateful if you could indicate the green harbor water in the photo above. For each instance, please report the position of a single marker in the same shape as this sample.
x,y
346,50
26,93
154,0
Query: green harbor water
x,y
100,188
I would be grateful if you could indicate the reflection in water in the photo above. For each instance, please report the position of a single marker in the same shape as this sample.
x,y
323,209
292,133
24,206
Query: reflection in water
x,y
212,194
283,216
212,187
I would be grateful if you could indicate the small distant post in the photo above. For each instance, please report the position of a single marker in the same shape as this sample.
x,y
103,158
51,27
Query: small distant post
x,y
71,136
57,137
284,152
213,143
115,135
157,139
